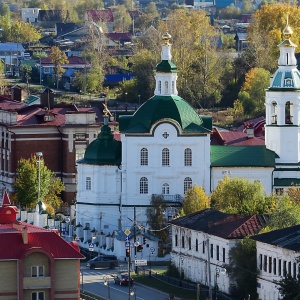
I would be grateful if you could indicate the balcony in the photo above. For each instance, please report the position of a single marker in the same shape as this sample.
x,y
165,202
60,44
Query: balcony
x,y
36,282
171,198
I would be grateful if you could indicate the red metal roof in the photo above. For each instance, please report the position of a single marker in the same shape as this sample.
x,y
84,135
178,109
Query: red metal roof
x,y
101,15
38,238
119,36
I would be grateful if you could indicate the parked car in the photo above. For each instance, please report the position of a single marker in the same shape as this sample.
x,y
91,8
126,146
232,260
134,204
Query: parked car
x,y
103,261
122,279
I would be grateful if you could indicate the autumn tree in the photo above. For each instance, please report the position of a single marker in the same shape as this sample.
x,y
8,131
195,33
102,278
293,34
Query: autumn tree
x,y
122,18
58,58
265,32
27,183
252,94
240,196
194,200
289,287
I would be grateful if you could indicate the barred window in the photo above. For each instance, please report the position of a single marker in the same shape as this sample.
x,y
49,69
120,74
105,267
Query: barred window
x,y
144,157
165,157
188,157
143,185
187,184
88,183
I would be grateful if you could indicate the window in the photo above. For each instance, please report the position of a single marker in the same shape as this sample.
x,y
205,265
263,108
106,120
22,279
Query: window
x,y
165,189
144,157
187,184
46,69
197,249
190,243
159,87
294,270
173,87
274,266
182,242
260,261
176,240
270,264
279,191
218,253
79,153
37,271
143,185
223,254
203,247
284,268
279,267
165,159
265,263
211,250
166,87
37,296
88,183
290,268
188,157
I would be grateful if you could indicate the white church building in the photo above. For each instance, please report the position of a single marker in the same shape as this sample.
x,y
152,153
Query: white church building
x,y
165,150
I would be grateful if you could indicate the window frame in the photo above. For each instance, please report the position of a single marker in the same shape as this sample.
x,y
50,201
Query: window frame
x,y
165,157
165,189
144,157
188,160
88,183
144,185
187,184
39,271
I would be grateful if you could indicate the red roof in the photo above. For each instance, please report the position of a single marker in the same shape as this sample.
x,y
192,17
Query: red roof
x,y
38,238
101,15
119,36
5,199
73,60
7,104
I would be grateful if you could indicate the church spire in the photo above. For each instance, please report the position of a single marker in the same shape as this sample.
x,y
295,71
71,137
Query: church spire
x,y
166,71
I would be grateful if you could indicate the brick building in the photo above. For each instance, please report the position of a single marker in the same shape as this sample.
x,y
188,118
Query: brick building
x,y
60,132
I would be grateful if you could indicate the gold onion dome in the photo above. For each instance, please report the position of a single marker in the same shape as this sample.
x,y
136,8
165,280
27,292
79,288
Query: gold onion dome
x,y
166,38
287,31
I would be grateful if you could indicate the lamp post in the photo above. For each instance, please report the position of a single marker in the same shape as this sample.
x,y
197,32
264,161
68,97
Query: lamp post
x,y
106,282
39,155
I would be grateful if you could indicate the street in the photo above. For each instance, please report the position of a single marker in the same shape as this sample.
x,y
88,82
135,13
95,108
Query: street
x,y
92,281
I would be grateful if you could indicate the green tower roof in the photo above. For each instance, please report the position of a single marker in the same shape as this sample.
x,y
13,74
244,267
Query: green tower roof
x,y
105,150
166,107
166,66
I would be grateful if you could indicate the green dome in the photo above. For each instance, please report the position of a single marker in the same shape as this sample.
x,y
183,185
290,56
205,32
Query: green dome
x,y
105,150
166,107
166,66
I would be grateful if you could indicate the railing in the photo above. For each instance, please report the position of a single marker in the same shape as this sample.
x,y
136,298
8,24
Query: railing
x,y
36,282
170,198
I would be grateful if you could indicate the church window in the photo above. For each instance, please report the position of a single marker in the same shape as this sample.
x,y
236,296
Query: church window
x,y
288,111
143,185
88,183
165,157
182,242
188,157
37,271
159,87
165,189
166,87
37,295
144,157
173,87
187,184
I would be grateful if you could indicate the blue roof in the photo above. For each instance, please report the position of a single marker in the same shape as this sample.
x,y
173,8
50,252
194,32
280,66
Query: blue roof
x,y
11,47
113,78
69,73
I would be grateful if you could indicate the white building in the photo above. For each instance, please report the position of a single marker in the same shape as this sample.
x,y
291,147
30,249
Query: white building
x,y
201,243
277,255
30,15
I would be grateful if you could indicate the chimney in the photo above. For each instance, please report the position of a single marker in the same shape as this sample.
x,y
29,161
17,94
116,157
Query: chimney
x,y
250,132
25,234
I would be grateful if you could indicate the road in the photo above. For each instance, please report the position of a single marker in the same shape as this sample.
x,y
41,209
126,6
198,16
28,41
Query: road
x,y
93,281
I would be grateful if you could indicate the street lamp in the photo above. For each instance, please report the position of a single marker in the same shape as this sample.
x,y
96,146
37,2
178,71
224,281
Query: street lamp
x,y
39,155
106,282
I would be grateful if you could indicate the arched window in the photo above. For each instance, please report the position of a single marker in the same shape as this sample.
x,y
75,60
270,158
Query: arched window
x,y
165,189
143,185
88,183
187,184
288,112
187,157
144,157
159,87
165,158
166,87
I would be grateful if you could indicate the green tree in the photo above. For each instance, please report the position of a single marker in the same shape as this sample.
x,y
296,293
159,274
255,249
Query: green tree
x,y
252,94
195,199
240,196
287,213
58,58
151,10
122,18
156,218
27,183
289,287
4,9
243,270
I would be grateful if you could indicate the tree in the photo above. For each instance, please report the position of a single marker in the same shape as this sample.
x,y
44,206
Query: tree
x,y
240,196
195,199
58,58
289,287
122,18
252,94
4,9
265,32
286,214
27,183
243,270
156,218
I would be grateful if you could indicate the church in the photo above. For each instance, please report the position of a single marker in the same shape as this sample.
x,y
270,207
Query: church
x,y
165,149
